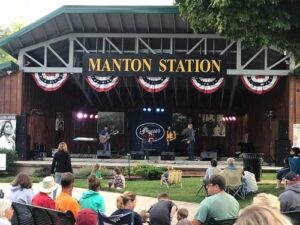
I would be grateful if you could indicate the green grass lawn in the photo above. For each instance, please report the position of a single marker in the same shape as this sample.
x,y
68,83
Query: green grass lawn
x,y
187,193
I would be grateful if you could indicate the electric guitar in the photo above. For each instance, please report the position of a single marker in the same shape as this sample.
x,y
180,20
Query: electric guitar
x,y
105,138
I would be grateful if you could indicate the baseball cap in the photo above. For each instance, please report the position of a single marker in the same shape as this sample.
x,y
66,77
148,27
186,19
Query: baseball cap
x,y
291,176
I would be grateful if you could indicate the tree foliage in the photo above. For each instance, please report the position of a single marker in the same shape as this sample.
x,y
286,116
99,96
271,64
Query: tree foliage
x,y
5,31
257,22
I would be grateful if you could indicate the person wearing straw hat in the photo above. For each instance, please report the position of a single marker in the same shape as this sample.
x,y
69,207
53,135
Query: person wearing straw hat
x,y
46,187
6,212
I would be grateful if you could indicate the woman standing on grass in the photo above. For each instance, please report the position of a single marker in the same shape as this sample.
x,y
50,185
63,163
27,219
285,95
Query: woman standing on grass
x,y
61,164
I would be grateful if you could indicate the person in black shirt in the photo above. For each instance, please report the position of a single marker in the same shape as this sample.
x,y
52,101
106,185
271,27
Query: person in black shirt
x,y
294,153
61,163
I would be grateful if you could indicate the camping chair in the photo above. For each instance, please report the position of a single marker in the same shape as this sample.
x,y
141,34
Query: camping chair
x,y
213,221
294,165
175,177
203,183
294,216
234,182
121,219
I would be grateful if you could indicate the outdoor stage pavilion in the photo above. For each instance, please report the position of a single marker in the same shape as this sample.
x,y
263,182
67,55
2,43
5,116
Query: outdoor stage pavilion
x,y
255,96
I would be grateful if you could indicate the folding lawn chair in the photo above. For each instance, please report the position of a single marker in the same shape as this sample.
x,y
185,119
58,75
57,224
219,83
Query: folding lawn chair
x,y
234,184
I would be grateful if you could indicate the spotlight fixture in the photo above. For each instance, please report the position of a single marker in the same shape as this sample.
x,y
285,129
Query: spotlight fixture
x,y
91,116
85,115
149,109
79,115
144,110
162,109
157,109
96,116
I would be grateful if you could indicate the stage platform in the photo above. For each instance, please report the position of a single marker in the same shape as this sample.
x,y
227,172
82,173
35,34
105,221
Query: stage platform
x,y
189,168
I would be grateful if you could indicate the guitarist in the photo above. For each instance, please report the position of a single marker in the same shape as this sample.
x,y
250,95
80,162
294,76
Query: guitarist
x,y
105,138
189,132
171,137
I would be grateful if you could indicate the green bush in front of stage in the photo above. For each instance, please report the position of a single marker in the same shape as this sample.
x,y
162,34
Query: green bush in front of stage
x,y
11,157
43,172
149,172
85,171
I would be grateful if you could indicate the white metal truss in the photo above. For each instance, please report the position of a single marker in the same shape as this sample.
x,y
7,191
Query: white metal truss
x,y
243,61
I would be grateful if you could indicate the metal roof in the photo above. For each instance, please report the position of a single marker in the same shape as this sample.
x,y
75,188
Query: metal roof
x,y
97,19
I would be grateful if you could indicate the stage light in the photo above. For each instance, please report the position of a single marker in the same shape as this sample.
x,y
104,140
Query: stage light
x,y
230,119
234,118
223,118
96,116
85,115
149,109
157,109
91,116
79,115
144,110
162,109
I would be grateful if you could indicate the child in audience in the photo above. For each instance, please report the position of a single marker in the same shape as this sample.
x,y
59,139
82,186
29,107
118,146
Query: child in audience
x,y
182,215
162,212
268,200
6,212
118,181
97,171
145,216
87,217
165,175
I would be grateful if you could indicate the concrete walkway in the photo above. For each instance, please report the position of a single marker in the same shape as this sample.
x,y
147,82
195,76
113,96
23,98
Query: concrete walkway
x,y
110,200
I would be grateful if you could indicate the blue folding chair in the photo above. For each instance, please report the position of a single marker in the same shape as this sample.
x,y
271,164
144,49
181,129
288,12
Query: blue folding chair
x,y
294,165
121,219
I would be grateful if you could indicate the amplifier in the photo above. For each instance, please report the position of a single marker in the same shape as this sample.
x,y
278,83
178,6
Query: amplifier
x,y
167,156
137,155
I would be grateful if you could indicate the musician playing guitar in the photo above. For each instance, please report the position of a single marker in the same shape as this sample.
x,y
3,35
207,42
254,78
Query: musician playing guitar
x,y
104,138
171,137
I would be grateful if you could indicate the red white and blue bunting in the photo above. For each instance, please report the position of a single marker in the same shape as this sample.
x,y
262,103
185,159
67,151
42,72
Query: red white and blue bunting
x,y
259,84
50,81
153,84
207,85
102,84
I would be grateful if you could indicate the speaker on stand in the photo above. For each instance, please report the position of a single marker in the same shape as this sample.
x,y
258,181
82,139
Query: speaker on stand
x,y
22,141
282,148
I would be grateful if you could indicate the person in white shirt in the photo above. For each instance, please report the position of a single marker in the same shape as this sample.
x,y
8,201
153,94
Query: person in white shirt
x,y
6,212
250,181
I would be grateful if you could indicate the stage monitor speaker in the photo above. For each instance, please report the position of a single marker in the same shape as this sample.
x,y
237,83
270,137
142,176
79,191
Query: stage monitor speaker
x,y
282,148
137,155
283,130
167,156
103,154
21,125
208,155
22,147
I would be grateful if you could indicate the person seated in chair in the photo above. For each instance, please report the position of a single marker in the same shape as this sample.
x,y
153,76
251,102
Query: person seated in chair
x,y
294,153
250,181
211,170
290,198
219,205
165,176
230,164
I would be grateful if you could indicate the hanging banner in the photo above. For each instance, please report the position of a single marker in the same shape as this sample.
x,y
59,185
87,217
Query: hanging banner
x,y
102,84
150,65
50,81
259,84
153,84
207,85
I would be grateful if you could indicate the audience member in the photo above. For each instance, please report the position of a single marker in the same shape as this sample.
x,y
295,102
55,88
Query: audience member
x,y
87,217
46,187
97,171
21,189
6,212
61,163
250,181
211,170
230,164
290,198
162,212
219,205
126,204
182,215
91,199
268,200
261,215
294,153
145,216
65,201
118,182
165,175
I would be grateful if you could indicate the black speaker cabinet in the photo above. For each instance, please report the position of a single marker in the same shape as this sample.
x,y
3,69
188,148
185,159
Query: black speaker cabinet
x,y
208,155
103,154
282,148
167,156
21,125
22,147
137,155
283,130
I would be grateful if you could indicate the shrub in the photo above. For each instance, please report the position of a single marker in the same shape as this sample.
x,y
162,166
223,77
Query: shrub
x,y
85,171
43,172
11,157
149,172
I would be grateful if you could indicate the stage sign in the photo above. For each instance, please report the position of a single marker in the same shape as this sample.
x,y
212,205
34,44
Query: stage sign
x,y
8,132
2,161
159,65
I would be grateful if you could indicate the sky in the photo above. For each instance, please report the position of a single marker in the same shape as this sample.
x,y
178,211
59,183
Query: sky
x,y
32,10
